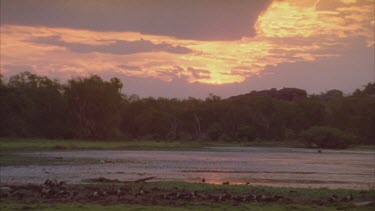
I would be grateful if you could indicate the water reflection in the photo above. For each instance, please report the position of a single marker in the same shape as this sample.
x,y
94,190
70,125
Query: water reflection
x,y
237,165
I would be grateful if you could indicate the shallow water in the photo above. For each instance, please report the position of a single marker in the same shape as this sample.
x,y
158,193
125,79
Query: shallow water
x,y
284,167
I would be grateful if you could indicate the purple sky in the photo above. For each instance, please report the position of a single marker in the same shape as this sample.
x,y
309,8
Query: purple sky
x,y
169,48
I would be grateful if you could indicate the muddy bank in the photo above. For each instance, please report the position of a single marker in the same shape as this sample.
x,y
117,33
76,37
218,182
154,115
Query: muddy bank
x,y
353,169
52,191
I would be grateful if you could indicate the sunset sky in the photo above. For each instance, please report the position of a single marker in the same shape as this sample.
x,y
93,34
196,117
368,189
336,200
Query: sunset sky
x,y
181,48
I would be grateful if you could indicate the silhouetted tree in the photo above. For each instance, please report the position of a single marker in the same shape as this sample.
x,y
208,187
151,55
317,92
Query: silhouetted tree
x,y
94,106
90,107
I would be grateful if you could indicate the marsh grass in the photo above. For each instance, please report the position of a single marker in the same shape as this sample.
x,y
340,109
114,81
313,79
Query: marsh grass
x,y
302,198
200,207
297,193
9,144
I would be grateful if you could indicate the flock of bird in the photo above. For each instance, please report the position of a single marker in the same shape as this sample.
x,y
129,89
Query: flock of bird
x,y
52,189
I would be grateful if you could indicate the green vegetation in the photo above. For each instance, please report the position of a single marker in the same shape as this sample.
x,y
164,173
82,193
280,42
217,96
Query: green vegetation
x,y
91,108
297,193
325,137
301,199
7,144
207,207
11,159
13,144
79,207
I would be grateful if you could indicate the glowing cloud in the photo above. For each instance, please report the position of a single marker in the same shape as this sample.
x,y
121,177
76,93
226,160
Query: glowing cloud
x,y
287,32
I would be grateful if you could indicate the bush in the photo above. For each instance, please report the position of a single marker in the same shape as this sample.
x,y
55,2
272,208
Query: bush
x,y
246,132
214,131
326,137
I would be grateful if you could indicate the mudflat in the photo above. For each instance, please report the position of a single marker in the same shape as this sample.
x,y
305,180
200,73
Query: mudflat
x,y
280,167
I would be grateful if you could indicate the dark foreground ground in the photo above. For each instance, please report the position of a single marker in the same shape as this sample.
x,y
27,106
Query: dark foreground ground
x,y
167,195
117,195
10,144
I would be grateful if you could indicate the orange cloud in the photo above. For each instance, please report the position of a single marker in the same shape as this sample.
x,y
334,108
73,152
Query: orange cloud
x,y
287,32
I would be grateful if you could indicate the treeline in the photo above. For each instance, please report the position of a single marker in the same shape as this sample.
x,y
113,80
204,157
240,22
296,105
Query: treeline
x,y
92,108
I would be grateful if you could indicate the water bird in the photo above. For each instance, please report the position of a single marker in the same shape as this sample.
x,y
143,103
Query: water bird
x,y
251,198
214,197
226,197
120,193
277,198
48,192
94,195
3,195
18,195
195,194
140,193
97,194
332,198
63,193
74,194
239,198
172,195
54,183
260,197
347,198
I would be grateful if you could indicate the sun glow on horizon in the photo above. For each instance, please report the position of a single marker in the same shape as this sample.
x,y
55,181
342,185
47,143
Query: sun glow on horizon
x,y
287,32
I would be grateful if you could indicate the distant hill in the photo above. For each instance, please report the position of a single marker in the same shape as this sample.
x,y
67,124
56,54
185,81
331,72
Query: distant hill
x,y
287,94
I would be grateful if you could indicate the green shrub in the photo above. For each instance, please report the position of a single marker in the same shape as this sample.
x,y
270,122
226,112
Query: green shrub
x,y
246,132
214,131
326,137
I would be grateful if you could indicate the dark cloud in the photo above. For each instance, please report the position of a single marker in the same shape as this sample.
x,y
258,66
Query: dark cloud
x,y
199,73
172,73
153,87
241,71
129,67
118,47
15,69
193,19
315,77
